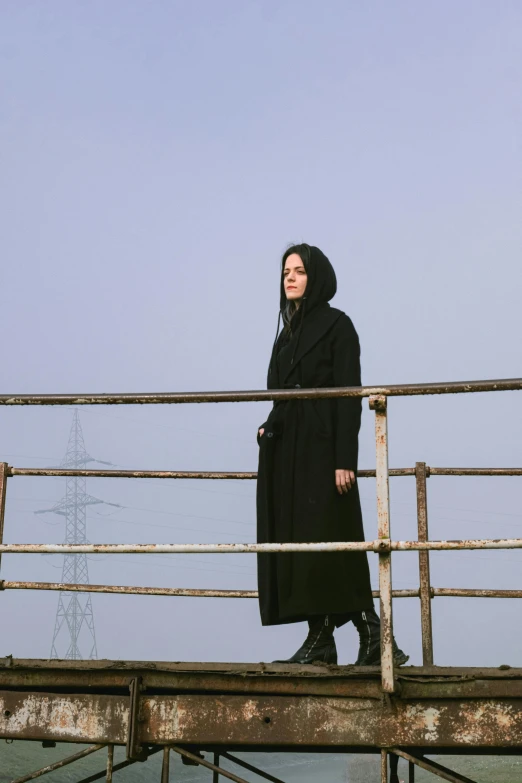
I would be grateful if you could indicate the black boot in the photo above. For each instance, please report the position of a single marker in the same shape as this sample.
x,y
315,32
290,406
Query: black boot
x,y
319,645
368,624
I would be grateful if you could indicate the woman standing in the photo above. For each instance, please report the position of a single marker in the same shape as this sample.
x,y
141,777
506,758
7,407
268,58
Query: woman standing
x,y
307,488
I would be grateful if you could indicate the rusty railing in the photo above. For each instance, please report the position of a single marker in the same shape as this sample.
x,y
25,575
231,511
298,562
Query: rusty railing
x,y
383,546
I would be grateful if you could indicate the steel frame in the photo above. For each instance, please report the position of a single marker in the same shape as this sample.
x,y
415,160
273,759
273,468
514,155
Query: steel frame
x,y
383,546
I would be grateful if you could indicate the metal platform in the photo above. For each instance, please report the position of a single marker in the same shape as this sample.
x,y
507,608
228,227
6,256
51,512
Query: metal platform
x,y
260,706
188,708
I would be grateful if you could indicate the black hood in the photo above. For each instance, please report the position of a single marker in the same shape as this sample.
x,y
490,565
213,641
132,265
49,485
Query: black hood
x,y
322,283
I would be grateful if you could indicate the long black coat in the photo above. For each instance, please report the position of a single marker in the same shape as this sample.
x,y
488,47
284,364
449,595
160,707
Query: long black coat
x,y
304,442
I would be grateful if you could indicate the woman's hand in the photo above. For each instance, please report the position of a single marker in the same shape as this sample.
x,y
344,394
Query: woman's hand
x,y
344,480
261,432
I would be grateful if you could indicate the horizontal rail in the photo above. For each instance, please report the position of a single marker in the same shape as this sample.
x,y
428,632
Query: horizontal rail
x,y
404,390
146,474
242,475
458,592
474,471
182,592
379,546
65,587
167,474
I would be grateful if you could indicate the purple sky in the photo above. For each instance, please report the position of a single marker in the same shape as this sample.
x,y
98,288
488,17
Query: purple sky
x,y
156,160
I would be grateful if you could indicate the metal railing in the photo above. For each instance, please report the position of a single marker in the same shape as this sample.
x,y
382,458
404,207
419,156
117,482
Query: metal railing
x,y
383,546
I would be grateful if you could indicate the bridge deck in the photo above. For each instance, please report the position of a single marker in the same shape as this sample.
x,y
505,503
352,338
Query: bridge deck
x,y
261,706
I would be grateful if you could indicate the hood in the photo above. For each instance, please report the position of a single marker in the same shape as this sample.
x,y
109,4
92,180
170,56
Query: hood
x,y
322,283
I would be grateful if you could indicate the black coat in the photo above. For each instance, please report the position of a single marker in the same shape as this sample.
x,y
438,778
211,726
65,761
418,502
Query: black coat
x,y
304,442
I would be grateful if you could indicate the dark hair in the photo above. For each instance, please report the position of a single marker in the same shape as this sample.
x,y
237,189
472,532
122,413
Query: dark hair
x,y
289,307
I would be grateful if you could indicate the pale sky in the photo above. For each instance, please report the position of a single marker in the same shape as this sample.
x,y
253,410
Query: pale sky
x,y
157,158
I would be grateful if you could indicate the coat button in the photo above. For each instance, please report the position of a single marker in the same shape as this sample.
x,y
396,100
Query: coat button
x,y
269,434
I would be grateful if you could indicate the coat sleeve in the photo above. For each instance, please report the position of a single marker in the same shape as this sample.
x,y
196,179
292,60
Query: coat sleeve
x,y
347,372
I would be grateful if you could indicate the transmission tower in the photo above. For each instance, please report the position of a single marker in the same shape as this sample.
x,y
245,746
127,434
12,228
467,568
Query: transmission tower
x,y
75,609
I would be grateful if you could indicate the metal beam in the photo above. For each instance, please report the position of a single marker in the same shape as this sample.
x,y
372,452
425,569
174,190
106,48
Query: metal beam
x,y
433,766
184,592
305,722
58,764
110,763
161,398
208,765
250,767
165,767
240,475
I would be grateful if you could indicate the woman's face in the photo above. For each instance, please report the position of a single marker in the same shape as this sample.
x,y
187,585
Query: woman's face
x,y
295,277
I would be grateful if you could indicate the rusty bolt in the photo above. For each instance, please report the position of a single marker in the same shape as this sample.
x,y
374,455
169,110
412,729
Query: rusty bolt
x,y
378,403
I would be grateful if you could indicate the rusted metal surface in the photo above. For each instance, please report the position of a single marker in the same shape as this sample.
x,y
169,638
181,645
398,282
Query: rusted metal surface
x,y
134,749
129,590
172,591
436,592
250,767
401,390
202,762
55,676
438,546
3,490
432,766
475,471
165,766
380,546
64,718
379,405
242,475
110,763
58,764
424,565
272,705
151,549
458,592
132,474
290,721
265,721
128,669
168,474
460,689
384,766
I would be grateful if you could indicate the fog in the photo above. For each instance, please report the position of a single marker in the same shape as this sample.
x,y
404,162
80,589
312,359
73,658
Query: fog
x,y
156,161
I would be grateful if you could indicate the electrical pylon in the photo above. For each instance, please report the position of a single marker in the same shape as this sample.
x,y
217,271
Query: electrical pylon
x,y
75,609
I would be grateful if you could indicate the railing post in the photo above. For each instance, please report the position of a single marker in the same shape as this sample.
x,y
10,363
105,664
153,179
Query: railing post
x,y
384,766
378,404
421,473
165,767
215,774
4,470
110,763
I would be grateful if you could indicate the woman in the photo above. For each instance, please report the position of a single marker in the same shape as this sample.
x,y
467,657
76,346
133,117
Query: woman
x,y
307,488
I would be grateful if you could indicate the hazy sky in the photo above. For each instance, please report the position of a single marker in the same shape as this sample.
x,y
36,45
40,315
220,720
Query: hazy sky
x,y
156,160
